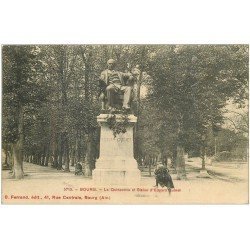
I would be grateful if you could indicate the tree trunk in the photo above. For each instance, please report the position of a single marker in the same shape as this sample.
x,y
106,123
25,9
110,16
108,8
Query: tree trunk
x,y
72,156
43,156
18,161
59,166
77,149
138,99
180,159
55,160
149,169
203,155
37,159
66,153
6,155
138,108
180,163
215,146
40,159
173,159
47,156
89,161
18,149
32,158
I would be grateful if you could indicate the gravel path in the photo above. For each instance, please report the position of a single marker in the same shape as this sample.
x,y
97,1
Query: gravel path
x,y
228,185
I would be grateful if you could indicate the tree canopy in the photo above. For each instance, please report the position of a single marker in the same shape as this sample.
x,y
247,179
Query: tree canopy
x,y
50,99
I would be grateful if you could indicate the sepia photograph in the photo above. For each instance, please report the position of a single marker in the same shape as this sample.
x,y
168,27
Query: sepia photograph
x,y
125,124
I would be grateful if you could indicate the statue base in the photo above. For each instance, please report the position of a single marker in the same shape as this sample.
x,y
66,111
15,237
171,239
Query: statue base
x,y
116,164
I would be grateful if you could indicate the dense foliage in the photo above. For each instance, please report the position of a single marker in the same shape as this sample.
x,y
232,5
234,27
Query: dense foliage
x,y
50,100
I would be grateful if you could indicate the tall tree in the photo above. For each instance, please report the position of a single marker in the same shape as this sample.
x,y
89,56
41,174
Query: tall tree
x,y
22,92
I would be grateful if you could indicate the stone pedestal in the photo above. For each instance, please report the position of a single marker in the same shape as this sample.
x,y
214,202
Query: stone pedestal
x,y
116,164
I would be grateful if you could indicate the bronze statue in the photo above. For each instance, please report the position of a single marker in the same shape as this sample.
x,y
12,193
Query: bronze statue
x,y
116,86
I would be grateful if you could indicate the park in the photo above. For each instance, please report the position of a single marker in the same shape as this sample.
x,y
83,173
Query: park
x,y
92,124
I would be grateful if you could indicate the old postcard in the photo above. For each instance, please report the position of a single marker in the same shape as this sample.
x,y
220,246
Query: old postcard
x,y
125,124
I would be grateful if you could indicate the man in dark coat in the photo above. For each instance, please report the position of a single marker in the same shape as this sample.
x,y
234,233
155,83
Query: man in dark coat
x,y
163,177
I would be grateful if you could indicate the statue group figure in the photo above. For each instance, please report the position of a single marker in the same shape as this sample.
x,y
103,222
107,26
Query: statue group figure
x,y
116,87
